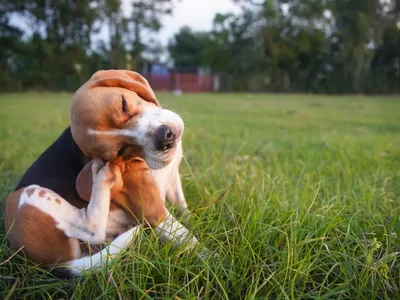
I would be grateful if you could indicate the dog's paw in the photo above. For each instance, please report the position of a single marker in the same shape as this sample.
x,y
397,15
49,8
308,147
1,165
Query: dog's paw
x,y
103,173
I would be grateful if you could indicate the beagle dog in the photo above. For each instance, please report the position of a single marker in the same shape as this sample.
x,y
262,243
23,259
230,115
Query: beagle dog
x,y
113,167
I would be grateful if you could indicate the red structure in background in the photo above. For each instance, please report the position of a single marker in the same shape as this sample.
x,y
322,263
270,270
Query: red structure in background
x,y
185,82
159,82
188,80
192,83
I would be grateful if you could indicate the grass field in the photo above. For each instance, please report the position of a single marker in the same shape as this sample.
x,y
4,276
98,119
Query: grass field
x,y
299,195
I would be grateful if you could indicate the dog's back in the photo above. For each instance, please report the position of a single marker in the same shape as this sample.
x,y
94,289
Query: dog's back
x,y
57,169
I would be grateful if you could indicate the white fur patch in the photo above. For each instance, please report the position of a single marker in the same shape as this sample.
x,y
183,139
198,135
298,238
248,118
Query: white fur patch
x,y
149,121
143,133
175,195
172,230
76,223
103,257
118,222
153,118
38,197
114,132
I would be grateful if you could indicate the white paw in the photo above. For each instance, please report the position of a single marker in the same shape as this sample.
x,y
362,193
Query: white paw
x,y
103,174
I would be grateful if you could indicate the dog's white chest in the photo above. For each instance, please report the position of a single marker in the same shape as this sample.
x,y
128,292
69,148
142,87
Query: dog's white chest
x,y
165,176
117,223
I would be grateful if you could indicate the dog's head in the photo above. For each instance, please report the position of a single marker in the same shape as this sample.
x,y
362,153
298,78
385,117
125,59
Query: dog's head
x,y
116,114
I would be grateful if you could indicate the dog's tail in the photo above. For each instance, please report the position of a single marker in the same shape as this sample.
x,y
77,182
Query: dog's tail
x,y
79,266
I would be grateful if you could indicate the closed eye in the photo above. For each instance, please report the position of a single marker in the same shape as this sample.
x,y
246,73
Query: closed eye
x,y
125,107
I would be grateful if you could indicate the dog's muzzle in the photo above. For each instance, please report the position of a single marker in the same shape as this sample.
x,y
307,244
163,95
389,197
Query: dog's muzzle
x,y
166,137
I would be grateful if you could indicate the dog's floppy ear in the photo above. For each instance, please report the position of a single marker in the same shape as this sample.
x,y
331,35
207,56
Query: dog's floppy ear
x,y
124,79
84,182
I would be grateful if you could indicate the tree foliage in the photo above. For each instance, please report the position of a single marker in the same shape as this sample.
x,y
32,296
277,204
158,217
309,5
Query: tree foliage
x,y
318,46
58,51
323,46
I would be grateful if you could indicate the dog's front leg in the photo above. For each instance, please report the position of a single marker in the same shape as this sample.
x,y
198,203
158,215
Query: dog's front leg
x,y
175,195
172,230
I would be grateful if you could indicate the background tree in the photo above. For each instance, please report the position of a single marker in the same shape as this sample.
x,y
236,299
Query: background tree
x,y
187,47
145,19
9,41
328,46
319,46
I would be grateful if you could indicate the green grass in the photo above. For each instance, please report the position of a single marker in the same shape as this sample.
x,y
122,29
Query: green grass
x,y
300,196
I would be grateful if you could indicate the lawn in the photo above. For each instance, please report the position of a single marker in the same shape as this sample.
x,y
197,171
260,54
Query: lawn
x,y
299,195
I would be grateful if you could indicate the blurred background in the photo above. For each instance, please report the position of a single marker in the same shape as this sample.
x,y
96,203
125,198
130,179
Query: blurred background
x,y
299,46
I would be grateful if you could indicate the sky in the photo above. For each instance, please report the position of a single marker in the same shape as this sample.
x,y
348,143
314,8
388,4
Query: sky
x,y
198,14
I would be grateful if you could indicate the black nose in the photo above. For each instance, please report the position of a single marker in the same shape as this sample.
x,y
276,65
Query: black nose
x,y
165,138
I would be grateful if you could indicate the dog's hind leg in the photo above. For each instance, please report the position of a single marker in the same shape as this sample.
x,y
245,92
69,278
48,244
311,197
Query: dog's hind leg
x,y
103,257
86,224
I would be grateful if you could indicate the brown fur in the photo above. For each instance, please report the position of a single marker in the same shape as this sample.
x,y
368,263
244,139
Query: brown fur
x,y
111,99
135,190
36,232
98,105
